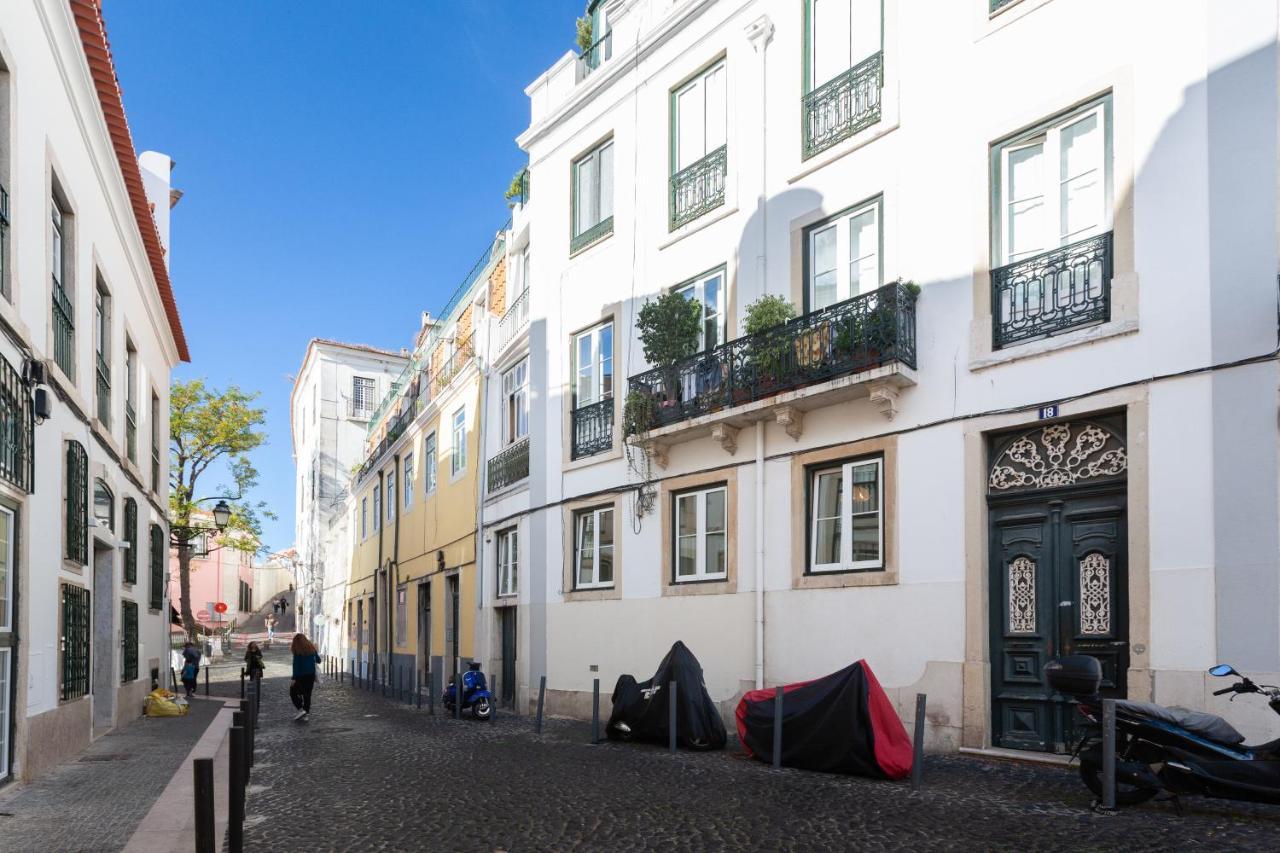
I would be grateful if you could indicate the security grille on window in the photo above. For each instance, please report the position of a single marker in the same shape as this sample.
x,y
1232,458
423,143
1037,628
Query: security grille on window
x,y
700,544
77,504
508,559
429,463
458,461
362,395
157,567
129,641
592,196
593,548
844,256
74,642
515,403
131,536
846,517
408,480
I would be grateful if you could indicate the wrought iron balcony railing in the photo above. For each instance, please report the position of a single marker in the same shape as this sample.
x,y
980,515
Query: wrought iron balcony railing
x,y
1052,292
17,429
104,391
843,106
592,428
595,56
516,318
522,196
130,432
64,331
462,353
698,188
858,334
510,466
596,232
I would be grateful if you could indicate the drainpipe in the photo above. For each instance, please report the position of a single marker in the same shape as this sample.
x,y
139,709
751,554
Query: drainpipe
x,y
759,554
482,481
377,647
393,592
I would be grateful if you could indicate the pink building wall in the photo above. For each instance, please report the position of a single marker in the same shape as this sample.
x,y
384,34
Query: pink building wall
x,y
215,577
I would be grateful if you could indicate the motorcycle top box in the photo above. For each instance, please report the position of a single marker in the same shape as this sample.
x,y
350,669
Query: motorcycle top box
x,y
1075,675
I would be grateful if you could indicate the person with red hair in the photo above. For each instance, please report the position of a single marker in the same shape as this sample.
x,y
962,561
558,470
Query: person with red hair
x,y
305,658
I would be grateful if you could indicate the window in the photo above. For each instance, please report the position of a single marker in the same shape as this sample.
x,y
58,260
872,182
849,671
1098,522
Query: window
x,y
402,615
102,352
63,310
6,586
131,536
842,74
508,558
362,396
157,567
708,291
698,145
459,438
129,641
104,506
515,403
592,197
377,507
593,548
701,550
593,365
131,401
846,519
391,496
77,504
844,256
408,480
429,460
364,517
155,443
74,642
842,33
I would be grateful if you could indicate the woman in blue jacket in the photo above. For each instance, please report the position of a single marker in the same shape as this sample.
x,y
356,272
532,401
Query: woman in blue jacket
x,y
305,658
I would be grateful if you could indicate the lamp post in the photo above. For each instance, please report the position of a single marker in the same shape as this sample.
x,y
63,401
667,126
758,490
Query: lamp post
x,y
181,535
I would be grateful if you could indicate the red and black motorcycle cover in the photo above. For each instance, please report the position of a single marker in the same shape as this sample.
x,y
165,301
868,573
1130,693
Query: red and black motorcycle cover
x,y
840,723
645,709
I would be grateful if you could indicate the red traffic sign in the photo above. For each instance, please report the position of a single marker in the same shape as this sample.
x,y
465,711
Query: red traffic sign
x,y
203,615
221,607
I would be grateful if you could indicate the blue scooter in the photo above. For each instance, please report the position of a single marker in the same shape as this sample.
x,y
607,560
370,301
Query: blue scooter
x,y
475,693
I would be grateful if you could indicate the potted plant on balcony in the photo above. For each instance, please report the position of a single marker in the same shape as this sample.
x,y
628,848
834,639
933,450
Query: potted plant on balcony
x,y
881,324
638,412
766,350
668,327
585,38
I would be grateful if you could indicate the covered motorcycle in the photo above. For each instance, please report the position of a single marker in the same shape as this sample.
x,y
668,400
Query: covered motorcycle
x,y
641,710
840,723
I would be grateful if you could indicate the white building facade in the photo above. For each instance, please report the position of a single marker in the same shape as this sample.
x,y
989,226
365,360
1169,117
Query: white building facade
x,y
335,395
89,332
1028,404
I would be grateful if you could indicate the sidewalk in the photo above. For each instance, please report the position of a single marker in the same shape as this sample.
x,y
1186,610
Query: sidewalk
x,y
97,800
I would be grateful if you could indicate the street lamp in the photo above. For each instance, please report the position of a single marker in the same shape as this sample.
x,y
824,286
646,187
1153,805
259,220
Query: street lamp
x,y
221,515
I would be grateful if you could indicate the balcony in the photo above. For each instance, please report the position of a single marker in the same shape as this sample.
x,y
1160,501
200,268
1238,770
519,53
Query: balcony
x,y
514,321
698,188
592,428
510,466
864,346
843,106
593,57
1052,292
64,330
104,391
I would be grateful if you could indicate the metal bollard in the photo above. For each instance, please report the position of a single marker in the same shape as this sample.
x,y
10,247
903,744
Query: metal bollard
x,y
431,694
206,679
250,729
241,682
457,687
203,772
917,756
236,775
238,720
542,695
595,711
671,718
493,702
777,726
417,689
173,674
1108,755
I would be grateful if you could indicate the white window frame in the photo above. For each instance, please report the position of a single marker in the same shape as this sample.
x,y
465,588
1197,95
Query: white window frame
x,y
595,514
595,372
377,507
364,391
458,442
58,238
6,583
842,224
855,33
391,496
845,470
430,452
515,403
508,553
407,488
696,289
701,572
364,517
719,135
596,193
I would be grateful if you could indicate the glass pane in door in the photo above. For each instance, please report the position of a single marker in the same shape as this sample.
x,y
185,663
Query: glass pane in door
x,y
1080,173
1024,193
826,283
864,253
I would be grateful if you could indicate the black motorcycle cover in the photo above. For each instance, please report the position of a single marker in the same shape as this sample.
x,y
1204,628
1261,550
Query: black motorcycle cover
x,y
643,707
840,723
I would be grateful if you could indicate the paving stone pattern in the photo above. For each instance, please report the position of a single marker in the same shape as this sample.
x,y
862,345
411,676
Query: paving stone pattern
x,y
368,774
95,802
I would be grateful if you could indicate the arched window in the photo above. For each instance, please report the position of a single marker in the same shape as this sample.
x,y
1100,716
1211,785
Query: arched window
x,y
104,506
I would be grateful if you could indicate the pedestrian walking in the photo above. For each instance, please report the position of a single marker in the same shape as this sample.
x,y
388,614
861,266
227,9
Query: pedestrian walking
x,y
253,662
284,604
271,628
190,667
305,658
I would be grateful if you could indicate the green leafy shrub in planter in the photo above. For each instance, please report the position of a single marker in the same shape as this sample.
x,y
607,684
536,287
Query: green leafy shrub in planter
x,y
637,413
767,352
584,38
881,324
668,327
516,188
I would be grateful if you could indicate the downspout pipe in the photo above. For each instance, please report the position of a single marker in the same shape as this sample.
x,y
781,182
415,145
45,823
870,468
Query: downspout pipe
x,y
377,574
760,554
393,591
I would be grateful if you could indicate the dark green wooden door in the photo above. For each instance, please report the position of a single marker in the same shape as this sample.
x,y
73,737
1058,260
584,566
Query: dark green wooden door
x,y
1058,586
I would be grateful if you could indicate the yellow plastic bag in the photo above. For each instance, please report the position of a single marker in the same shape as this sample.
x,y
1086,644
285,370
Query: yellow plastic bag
x,y
160,703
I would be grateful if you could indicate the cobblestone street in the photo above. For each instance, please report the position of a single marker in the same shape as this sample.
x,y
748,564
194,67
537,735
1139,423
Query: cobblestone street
x,y
367,773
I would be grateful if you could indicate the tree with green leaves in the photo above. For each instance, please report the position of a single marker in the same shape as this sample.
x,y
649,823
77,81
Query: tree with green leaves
x,y
207,427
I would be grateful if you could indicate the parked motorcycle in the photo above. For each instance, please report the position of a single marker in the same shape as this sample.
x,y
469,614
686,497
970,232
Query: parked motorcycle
x,y
1174,750
475,693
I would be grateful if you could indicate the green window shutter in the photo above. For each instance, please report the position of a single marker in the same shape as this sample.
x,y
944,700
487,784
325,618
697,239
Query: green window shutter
x,y
77,503
17,427
129,639
157,567
131,536
75,642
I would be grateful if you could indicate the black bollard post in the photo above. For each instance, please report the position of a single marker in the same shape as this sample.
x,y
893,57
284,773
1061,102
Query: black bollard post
x,y
241,682
595,711
917,757
238,720
250,729
777,727
671,718
417,689
235,791
173,674
206,679
203,772
457,687
431,694
493,701
542,695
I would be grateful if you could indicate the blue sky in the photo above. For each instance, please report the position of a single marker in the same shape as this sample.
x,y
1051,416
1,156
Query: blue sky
x,y
343,165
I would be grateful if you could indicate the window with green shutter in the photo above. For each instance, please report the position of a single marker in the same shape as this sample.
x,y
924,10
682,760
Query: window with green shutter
x,y
157,567
17,428
131,536
75,642
77,503
129,640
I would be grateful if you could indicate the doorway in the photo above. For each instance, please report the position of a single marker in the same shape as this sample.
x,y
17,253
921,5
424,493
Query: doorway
x,y
362,657
451,647
8,639
507,629
424,632
1058,574
104,637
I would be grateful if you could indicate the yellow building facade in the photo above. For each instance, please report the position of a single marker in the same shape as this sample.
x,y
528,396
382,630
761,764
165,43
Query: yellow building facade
x,y
412,597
